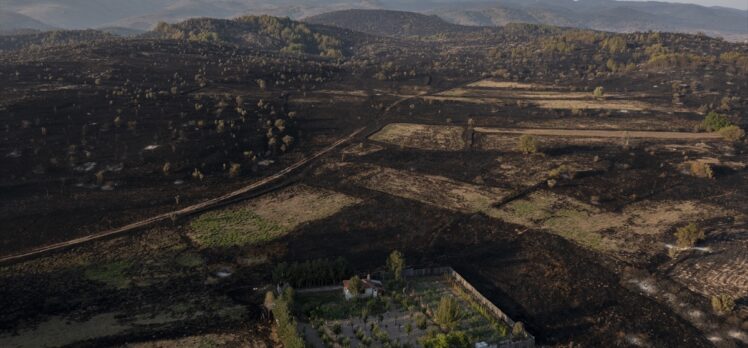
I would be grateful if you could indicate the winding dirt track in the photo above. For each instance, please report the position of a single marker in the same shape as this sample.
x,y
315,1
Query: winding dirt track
x,y
182,212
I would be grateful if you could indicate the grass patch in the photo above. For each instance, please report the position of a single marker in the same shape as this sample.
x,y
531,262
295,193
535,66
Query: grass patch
x,y
114,274
267,218
233,228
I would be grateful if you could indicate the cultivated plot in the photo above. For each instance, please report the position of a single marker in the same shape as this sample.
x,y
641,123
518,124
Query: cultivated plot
x,y
266,218
550,97
639,229
429,189
421,136
452,138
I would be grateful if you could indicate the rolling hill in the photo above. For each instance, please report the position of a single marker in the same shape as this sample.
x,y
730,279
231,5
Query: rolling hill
x,y
388,23
13,22
607,15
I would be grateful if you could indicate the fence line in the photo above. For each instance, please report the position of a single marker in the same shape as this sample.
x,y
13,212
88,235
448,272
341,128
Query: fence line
x,y
476,296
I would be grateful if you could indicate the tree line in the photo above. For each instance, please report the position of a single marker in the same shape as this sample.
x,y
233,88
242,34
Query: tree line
x,y
311,273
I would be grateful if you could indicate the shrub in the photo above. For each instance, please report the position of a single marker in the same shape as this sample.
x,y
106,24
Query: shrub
x,y
689,235
732,133
197,174
599,92
723,303
714,122
166,168
235,170
421,322
563,171
518,330
451,340
702,169
527,144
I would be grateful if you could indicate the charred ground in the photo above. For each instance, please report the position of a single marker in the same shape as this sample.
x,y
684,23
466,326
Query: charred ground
x,y
101,133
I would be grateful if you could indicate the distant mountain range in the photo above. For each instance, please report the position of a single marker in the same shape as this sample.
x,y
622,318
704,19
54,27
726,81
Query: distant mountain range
x,y
388,22
609,15
11,22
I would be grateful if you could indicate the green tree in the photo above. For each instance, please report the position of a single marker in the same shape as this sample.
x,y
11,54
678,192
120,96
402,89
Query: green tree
x,y
355,286
448,312
715,121
396,264
287,331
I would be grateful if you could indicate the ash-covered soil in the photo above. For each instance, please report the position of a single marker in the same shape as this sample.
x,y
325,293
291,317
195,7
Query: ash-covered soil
x,y
576,240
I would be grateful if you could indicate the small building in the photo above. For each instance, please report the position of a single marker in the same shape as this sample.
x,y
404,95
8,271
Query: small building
x,y
371,288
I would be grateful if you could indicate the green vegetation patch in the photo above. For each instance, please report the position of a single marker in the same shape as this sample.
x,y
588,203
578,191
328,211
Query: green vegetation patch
x,y
267,218
114,274
234,228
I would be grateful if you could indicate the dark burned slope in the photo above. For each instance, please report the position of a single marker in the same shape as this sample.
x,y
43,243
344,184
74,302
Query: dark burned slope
x,y
52,38
263,32
389,23
253,32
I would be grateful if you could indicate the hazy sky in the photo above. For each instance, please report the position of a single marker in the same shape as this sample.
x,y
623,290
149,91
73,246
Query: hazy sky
x,y
741,4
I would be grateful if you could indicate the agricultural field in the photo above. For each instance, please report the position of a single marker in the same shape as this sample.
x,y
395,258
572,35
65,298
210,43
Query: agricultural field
x,y
266,218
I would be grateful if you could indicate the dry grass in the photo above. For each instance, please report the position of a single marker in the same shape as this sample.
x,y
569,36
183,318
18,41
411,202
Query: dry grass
x,y
508,85
202,341
423,137
602,230
629,105
549,97
567,217
450,138
268,217
592,133
361,149
429,189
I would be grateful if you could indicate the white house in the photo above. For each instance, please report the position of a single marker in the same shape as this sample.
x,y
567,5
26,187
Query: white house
x,y
371,288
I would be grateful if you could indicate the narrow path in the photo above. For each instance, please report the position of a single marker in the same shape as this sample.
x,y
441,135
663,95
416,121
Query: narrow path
x,y
196,208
